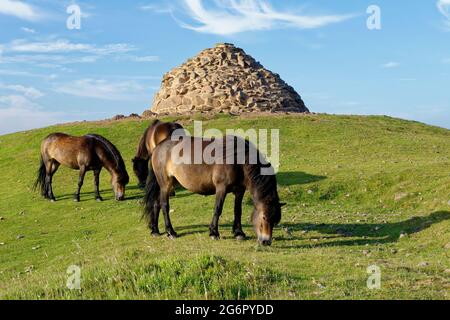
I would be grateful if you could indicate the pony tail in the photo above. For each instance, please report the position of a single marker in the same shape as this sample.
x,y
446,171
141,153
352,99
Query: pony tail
x,y
40,180
152,192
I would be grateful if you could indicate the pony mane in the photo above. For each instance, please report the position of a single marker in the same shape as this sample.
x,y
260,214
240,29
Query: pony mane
x,y
114,152
263,186
142,151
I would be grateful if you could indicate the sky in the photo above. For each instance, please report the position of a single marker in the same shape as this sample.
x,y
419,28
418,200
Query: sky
x,y
343,57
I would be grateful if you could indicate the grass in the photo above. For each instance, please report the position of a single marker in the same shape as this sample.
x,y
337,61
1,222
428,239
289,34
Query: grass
x,y
361,191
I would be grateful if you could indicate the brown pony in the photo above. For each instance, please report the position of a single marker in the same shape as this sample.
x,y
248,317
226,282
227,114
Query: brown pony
x,y
89,153
214,178
156,133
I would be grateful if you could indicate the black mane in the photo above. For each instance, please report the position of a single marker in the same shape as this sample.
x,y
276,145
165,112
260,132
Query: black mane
x,y
117,157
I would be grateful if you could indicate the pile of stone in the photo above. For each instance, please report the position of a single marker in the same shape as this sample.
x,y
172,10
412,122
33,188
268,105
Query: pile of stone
x,y
225,79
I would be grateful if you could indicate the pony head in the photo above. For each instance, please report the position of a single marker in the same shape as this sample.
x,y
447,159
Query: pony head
x,y
140,168
265,217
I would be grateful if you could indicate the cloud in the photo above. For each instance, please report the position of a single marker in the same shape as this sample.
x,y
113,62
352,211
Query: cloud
x,y
102,89
18,9
19,113
158,8
444,8
60,52
29,92
15,73
390,65
228,17
28,30
66,46
138,58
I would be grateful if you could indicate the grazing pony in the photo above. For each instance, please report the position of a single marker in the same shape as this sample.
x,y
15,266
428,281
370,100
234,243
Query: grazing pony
x,y
89,153
156,133
177,162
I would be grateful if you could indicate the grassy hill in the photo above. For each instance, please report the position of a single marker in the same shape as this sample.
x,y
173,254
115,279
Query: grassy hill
x,y
361,191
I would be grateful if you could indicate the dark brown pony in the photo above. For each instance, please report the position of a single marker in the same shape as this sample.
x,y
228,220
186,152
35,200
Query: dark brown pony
x,y
156,133
89,153
219,178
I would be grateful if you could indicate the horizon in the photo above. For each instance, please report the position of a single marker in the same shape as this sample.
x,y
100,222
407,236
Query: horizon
x,y
59,65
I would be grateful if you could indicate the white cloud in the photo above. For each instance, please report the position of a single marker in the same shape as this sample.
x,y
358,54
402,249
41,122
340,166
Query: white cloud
x,y
229,17
65,46
145,59
48,58
28,30
133,58
102,89
29,92
16,73
18,9
391,65
444,8
60,52
158,8
18,113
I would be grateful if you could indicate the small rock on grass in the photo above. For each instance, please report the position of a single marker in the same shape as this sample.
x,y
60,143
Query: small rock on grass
x,y
29,269
447,246
20,236
36,248
400,196
423,264
2,243
403,235
2,219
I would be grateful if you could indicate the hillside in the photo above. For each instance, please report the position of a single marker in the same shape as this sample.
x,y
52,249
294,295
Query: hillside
x,y
361,191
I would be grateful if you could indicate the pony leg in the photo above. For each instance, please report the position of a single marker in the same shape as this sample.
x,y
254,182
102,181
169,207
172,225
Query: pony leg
x,y
155,219
53,168
237,226
98,197
80,183
164,200
214,228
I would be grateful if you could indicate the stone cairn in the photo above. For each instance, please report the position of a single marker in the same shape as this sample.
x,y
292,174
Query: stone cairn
x,y
224,79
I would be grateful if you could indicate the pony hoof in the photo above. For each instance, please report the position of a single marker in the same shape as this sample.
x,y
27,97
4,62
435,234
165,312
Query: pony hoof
x,y
76,200
215,238
172,236
99,199
156,234
52,200
240,237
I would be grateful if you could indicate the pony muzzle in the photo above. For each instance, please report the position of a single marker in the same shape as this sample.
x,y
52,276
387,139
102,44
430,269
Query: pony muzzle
x,y
265,240
120,197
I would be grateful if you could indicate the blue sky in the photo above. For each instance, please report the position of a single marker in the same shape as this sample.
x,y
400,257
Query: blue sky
x,y
114,63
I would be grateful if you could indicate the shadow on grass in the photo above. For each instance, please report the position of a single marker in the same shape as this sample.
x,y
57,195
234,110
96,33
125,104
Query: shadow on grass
x,y
297,178
105,193
336,233
367,233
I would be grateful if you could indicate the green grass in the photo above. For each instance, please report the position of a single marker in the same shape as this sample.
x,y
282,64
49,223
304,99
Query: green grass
x,y
353,186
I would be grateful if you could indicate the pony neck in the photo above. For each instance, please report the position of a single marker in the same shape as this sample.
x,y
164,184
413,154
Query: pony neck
x,y
142,151
263,188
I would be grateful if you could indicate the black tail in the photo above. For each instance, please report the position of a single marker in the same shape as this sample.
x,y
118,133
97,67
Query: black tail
x,y
40,181
152,191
